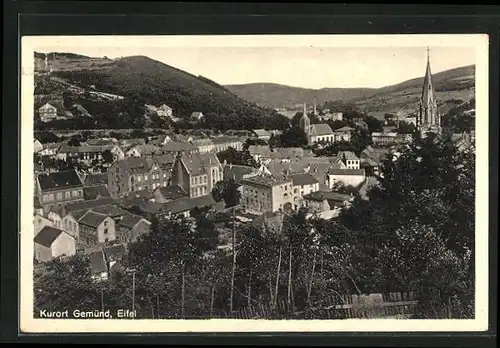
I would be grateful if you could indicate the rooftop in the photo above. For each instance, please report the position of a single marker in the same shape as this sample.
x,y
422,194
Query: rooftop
x,y
96,191
59,180
334,171
47,236
344,129
321,129
303,179
266,180
172,192
89,204
186,204
92,219
96,179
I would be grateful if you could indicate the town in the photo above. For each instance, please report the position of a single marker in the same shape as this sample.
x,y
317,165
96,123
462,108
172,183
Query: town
x,y
247,217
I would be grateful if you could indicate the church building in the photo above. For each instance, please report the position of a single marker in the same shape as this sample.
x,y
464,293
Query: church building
x,y
428,117
316,133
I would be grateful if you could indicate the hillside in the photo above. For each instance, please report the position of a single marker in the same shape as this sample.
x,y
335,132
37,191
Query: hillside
x,y
452,85
137,81
279,96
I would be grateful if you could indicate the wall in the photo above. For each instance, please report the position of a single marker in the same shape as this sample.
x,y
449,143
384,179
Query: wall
x,y
353,180
282,194
70,225
58,198
257,198
108,224
56,219
42,253
64,245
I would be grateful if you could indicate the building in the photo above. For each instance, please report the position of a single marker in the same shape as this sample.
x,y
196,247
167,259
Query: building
x,y
58,189
135,174
52,243
197,116
96,192
50,149
327,205
169,193
343,134
164,111
183,206
316,133
70,224
267,193
47,112
349,159
130,227
259,152
196,174
89,152
428,117
40,222
261,134
204,145
37,146
347,177
146,150
223,143
303,184
174,147
96,228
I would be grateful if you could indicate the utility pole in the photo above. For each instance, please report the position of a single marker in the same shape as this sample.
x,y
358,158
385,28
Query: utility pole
x,y
102,300
234,263
133,291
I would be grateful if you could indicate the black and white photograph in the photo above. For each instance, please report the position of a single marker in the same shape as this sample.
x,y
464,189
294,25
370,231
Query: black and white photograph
x,y
254,183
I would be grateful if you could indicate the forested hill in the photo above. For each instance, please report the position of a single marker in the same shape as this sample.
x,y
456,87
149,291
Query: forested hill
x,y
140,81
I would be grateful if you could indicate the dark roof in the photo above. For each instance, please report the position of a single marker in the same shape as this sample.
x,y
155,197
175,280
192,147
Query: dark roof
x,y
321,129
129,220
134,165
59,180
97,191
266,180
172,192
150,207
92,219
185,204
334,171
112,253
145,194
47,236
344,129
89,204
98,262
328,195
193,164
100,142
176,146
303,179
96,179
236,172
110,210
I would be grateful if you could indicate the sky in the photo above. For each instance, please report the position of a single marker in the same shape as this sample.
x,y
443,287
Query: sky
x,y
301,65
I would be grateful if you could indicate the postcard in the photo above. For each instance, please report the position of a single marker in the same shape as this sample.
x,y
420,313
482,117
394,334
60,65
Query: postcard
x,y
257,183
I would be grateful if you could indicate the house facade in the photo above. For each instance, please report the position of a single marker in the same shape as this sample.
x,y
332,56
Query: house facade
x,y
52,243
47,112
267,193
223,143
58,189
96,228
136,174
196,174
343,134
89,153
303,184
204,145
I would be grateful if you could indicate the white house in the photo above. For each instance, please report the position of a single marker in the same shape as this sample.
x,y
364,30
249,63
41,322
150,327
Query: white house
x,y
53,242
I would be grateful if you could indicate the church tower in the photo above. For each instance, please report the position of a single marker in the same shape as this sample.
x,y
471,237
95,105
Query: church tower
x,y
315,110
428,118
305,122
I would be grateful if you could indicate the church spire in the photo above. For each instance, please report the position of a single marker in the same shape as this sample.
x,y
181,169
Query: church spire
x,y
305,122
428,119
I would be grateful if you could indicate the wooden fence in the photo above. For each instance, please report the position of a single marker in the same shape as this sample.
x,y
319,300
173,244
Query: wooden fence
x,y
400,305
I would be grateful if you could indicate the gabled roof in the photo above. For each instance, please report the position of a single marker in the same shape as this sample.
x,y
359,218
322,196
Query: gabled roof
x,y
92,219
98,262
129,220
202,142
59,180
114,252
225,139
259,150
328,195
47,106
346,172
96,179
344,129
150,207
321,129
193,164
134,165
172,192
303,179
47,236
88,204
186,204
178,146
209,159
262,133
110,210
348,156
97,191
266,180
148,149
236,172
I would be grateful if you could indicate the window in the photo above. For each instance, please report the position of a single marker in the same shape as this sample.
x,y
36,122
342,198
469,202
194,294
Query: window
x,y
164,175
105,231
45,198
59,195
51,197
145,177
138,179
106,240
164,184
75,193
105,223
67,195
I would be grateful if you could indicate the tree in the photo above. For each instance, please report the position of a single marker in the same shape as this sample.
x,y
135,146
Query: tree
x,y
108,156
227,190
75,141
292,137
233,156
